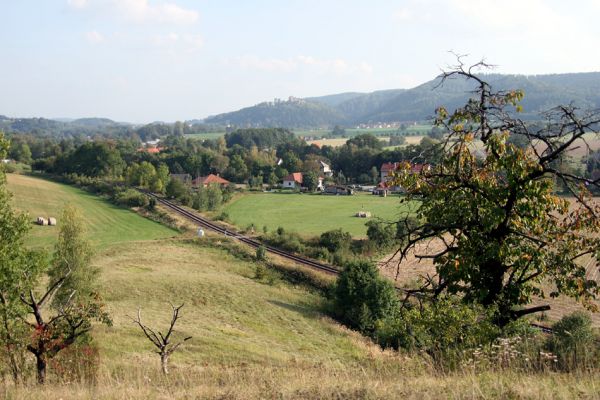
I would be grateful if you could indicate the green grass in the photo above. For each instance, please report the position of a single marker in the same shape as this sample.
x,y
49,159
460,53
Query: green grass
x,y
311,214
204,136
232,317
106,222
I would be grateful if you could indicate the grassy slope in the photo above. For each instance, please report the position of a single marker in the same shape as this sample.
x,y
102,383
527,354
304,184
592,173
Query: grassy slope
x,y
106,222
250,340
311,214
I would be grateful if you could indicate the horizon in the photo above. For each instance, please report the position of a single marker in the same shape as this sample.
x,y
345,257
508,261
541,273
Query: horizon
x,y
141,61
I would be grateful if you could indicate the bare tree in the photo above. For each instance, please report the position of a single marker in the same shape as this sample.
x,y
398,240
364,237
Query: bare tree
x,y
162,341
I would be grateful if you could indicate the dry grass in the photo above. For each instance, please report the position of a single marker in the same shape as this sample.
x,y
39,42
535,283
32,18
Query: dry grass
x,y
314,381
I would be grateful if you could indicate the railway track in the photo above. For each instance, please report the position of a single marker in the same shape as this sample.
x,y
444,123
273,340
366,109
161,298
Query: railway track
x,y
206,223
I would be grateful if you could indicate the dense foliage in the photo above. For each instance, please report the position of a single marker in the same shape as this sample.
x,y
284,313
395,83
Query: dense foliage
x,y
501,229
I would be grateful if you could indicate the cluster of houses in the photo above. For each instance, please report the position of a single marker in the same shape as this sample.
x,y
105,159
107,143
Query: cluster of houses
x,y
295,180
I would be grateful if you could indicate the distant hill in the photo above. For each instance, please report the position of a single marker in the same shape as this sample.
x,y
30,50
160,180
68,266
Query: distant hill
x,y
290,114
62,127
542,92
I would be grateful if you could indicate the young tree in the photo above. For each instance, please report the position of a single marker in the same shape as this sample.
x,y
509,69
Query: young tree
x,y
20,273
311,180
72,257
501,229
163,342
19,268
51,334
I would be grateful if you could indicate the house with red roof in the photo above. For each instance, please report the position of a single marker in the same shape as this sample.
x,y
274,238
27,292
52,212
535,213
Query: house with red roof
x,y
295,180
292,181
208,180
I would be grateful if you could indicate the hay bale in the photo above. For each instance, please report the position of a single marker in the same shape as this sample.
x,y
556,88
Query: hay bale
x,y
41,221
51,221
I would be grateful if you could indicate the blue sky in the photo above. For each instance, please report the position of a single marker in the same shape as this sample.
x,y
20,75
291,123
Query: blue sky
x,y
148,60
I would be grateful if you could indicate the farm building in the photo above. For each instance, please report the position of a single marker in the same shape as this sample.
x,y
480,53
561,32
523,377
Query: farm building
x,y
210,179
338,190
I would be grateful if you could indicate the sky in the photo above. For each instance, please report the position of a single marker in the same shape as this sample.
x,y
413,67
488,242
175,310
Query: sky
x,y
167,60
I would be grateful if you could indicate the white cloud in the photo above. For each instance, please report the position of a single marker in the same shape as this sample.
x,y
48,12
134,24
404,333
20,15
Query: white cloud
x,y
94,37
140,11
77,3
403,14
175,41
164,12
336,66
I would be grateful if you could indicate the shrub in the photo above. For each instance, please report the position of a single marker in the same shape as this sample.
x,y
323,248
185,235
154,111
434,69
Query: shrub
x,y
381,234
131,198
443,329
223,217
261,253
362,296
573,341
335,240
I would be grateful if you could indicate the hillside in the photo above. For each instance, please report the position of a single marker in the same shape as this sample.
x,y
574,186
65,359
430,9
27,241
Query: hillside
x,y
289,114
106,223
252,338
542,92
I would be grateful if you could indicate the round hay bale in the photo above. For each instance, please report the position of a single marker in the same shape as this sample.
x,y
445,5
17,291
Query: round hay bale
x,y
52,221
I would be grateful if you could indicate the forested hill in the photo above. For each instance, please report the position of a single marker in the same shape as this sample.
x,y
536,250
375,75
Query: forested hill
x,y
417,104
61,128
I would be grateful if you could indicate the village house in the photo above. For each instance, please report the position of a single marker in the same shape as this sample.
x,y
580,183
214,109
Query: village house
x,y
295,180
325,169
386,172
388,168
292,181
208,180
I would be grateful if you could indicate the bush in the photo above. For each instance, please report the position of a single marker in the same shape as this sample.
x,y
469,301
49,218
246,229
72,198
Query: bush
x,y
335,240
573,341
131,198
261,253
362,296
381,234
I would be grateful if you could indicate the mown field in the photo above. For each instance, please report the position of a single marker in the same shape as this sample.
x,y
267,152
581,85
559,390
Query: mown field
x,y
311,214
204,136
106,222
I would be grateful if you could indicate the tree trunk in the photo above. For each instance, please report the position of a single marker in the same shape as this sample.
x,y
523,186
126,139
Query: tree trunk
x,y
41,368
164,359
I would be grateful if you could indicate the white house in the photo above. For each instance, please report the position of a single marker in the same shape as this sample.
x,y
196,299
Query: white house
x,y
295,180
292,181
325,169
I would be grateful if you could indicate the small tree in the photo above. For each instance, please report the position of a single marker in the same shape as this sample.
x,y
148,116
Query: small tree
x,y
175,189
335,240
163,342
363,297
72,257
381,233
52,334
311,180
